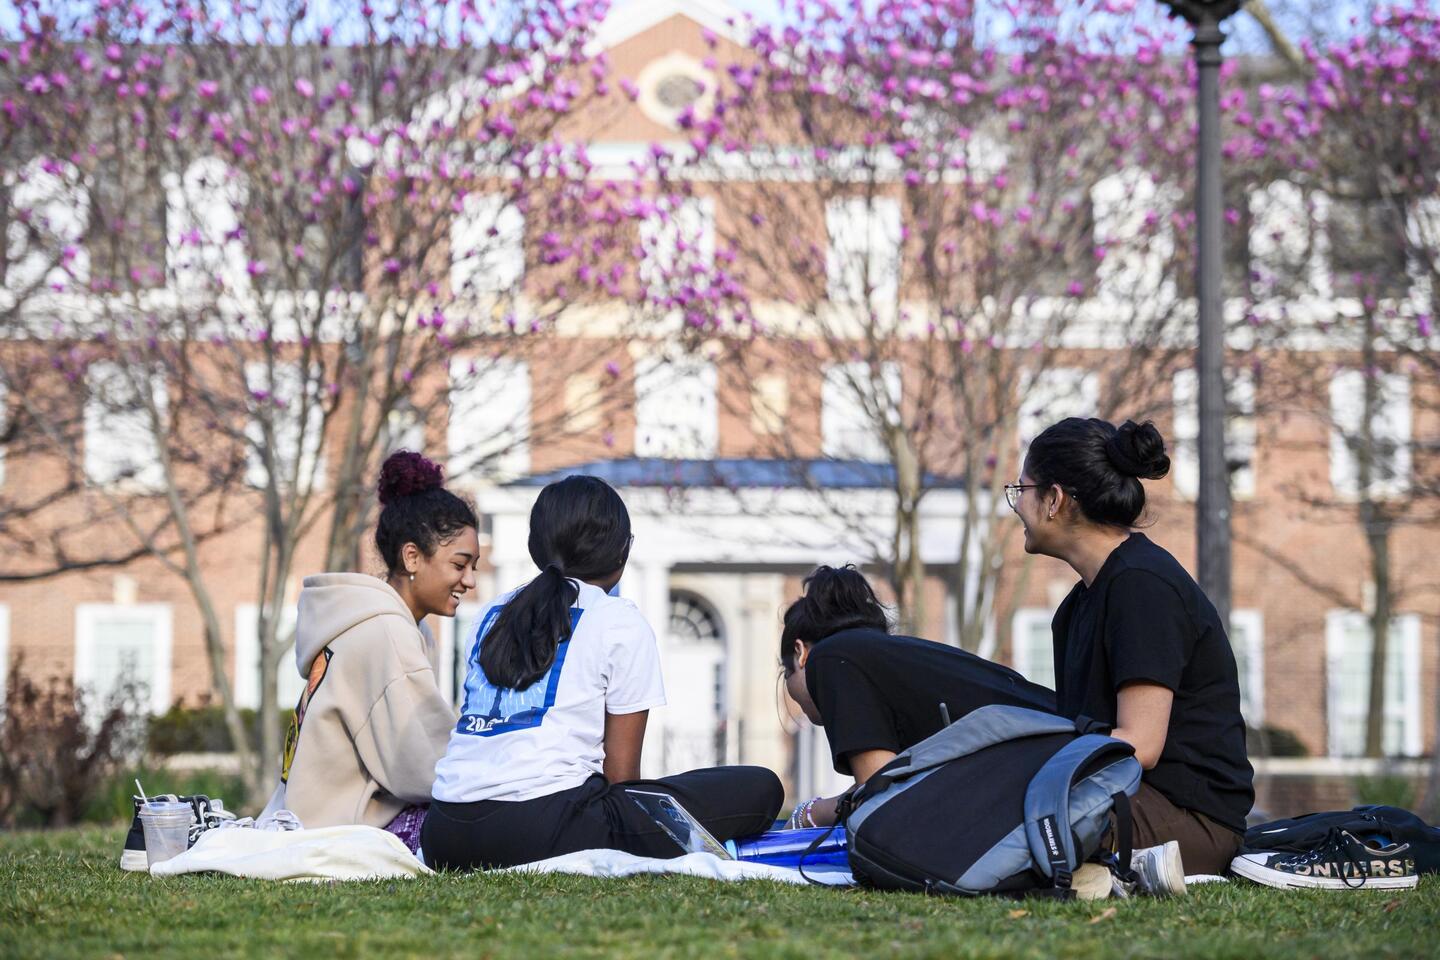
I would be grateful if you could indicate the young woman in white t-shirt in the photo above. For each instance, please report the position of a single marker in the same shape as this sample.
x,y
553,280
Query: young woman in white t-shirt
x,y
561,677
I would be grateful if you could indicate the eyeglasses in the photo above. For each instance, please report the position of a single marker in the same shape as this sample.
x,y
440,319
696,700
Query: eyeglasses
x,y
1013,491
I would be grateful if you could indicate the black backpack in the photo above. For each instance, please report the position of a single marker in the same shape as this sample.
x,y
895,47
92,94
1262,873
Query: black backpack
x,y
1302,834
1003,800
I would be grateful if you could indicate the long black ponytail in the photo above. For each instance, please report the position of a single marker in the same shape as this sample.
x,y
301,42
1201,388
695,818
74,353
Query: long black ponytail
x,y
580,530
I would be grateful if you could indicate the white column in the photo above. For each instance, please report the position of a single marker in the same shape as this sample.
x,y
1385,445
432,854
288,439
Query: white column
x,y
647,585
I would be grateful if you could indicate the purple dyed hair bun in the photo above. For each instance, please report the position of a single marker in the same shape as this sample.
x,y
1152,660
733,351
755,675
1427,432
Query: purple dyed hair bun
x,y
406,473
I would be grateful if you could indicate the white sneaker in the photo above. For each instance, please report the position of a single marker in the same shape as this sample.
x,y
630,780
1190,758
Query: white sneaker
x,y
1159,870
1091,882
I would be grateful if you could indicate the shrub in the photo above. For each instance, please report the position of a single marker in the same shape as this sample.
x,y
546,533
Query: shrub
x,y
202,729
112,802
58,746
1268,741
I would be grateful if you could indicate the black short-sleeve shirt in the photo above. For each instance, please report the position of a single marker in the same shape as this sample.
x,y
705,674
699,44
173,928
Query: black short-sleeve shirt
x,y
879,691
1145,619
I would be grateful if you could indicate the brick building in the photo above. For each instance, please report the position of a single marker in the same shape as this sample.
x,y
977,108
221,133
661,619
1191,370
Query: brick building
x,y
725,529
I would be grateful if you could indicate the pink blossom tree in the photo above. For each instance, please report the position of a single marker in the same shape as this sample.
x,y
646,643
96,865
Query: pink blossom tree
x,y
952,212
260,247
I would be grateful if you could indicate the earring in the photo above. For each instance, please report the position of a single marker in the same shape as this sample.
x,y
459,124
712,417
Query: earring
x,y
1052,517
412,578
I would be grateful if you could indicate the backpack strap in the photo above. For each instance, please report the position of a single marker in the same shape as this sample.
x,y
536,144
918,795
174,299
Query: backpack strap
x,y
980,728
1124,836
1047,805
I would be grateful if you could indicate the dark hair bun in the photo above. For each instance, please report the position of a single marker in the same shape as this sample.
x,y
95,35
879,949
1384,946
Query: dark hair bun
x,y
1138,450
406,473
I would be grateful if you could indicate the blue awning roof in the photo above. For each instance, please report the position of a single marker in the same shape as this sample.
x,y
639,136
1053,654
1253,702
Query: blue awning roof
x,y
735,474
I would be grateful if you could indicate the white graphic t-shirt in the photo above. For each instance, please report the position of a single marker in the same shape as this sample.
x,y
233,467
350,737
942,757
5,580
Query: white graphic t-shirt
x,y
548,737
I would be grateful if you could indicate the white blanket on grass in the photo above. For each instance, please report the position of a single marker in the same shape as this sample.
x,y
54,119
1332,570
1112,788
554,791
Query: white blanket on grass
x,y
614,863
367,853
326,853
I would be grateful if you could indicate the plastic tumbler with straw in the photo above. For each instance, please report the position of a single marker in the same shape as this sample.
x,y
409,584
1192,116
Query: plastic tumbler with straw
x,y
167,827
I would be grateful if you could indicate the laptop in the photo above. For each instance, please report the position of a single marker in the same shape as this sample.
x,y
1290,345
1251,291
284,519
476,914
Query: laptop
x,y
679,823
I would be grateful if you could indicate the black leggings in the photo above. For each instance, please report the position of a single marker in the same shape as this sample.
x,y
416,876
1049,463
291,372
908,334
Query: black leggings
x,y
730,801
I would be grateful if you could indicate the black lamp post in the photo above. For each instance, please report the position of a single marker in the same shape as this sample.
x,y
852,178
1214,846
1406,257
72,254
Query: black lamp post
x,y
1212,507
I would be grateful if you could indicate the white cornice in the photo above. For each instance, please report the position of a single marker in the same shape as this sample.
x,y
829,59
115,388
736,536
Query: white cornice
x,y
635,17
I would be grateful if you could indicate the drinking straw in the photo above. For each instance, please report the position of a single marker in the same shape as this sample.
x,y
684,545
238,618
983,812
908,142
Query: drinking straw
x,y
142,792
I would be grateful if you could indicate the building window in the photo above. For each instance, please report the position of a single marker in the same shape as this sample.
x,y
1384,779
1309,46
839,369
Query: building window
x,y
1387,445
1367,247
286,430
1286,240
202,226
1239,433
121,644
862,261
670,85
1032,646
679,244
288,682
854,408
404,429
488,434
487,246
676,411
1052,395
45,227
1132,225
122,444
1247,640
1347,648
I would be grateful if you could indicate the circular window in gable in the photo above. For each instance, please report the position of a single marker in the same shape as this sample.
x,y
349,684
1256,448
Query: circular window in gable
x,y
673,84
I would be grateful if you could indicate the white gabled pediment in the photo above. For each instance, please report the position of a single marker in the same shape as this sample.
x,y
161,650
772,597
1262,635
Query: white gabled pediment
x,y
633,18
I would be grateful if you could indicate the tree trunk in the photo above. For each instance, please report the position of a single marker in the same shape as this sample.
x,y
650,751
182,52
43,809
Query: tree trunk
x,y
909,578
1377,537
1376,524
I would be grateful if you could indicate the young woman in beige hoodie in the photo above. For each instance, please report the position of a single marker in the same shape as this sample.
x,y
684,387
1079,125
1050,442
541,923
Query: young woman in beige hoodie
x,y
372,721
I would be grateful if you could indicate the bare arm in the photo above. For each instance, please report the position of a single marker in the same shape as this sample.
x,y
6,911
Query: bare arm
x,y
624,735
864,765
1142,719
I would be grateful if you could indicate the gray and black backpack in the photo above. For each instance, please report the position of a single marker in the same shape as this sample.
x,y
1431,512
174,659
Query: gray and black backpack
x,y
1004,800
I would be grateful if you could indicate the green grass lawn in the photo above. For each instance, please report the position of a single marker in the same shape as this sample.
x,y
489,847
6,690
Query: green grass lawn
x,y
63,895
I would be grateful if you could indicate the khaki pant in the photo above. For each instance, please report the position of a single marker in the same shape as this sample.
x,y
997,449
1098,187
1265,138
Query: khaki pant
x,y
1205,846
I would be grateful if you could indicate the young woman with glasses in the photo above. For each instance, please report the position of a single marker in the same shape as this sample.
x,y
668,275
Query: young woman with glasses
x,y
1138,645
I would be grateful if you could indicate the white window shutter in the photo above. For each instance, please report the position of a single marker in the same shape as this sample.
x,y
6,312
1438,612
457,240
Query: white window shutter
x,y
1033,646
852,414
677,413
1247,641
4,428
55,206
121,445
487,246
488,433
1422,229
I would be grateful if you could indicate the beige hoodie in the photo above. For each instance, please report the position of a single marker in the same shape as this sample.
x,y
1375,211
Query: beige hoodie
x,y
372,721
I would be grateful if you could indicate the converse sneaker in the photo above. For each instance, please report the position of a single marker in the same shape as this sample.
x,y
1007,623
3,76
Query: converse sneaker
x,y
1342,862
208,813
1158,870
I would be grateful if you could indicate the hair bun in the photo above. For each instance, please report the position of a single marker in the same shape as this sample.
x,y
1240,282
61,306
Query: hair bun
x,y
406,473
1138,450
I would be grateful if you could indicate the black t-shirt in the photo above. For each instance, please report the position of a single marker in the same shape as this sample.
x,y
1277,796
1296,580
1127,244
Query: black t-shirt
x,y
1145,619
877,691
